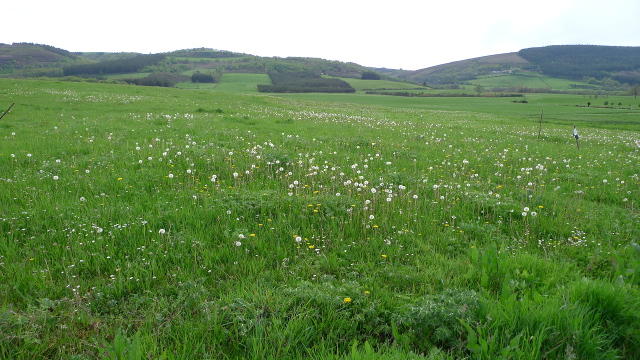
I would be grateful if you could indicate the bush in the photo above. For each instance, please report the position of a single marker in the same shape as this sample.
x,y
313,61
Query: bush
x,y
435,319
199,77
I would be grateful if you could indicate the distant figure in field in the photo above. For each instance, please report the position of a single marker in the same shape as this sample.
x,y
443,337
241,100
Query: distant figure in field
x,y
575,135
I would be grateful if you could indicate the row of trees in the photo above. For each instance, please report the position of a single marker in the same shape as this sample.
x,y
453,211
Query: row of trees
x,y
120,66
163,79
304,81
203,53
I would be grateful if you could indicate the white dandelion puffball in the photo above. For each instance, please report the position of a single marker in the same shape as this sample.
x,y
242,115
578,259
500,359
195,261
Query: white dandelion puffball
x,y
170,176
298,239
237,243
162,231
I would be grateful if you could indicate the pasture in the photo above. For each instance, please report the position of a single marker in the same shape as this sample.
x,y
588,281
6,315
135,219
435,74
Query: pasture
x,y
140,223
532,80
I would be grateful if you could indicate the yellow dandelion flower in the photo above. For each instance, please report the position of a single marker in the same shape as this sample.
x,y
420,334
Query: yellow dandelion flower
x,y
346,300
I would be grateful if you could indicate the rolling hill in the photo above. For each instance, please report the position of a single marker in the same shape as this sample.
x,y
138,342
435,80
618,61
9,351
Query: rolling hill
x,y
558,68
581,67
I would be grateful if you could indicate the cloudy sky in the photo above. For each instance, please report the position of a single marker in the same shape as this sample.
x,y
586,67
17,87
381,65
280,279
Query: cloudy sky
x,y
394,33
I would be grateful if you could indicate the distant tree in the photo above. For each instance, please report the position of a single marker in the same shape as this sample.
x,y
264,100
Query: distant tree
x,y
199,77
588,103
370,75
635,91
479,89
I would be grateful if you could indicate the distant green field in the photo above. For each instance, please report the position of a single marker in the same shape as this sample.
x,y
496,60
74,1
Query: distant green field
x,y
231,82
361,85
526,79
558,109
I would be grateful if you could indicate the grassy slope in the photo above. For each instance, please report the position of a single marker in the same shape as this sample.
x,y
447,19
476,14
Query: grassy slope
x,y
86,272
232,82
525,79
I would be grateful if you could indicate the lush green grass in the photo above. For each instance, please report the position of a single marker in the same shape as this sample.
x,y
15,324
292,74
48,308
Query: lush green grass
x,y
232,82
566,110
527,80
141,222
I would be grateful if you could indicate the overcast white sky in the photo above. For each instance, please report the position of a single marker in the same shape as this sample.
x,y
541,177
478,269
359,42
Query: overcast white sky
x,y
395,33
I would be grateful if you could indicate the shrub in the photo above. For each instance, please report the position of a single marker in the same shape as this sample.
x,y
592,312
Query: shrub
x,y
199,77
435,319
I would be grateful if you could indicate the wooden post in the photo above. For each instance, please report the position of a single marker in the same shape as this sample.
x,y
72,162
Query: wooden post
x,y
7,111
540,128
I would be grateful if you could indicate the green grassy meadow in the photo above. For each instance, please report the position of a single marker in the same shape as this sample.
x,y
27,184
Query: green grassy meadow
x,y
526,79
162,223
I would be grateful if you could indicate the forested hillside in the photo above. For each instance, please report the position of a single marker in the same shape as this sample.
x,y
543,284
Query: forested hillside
x,y
581,61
